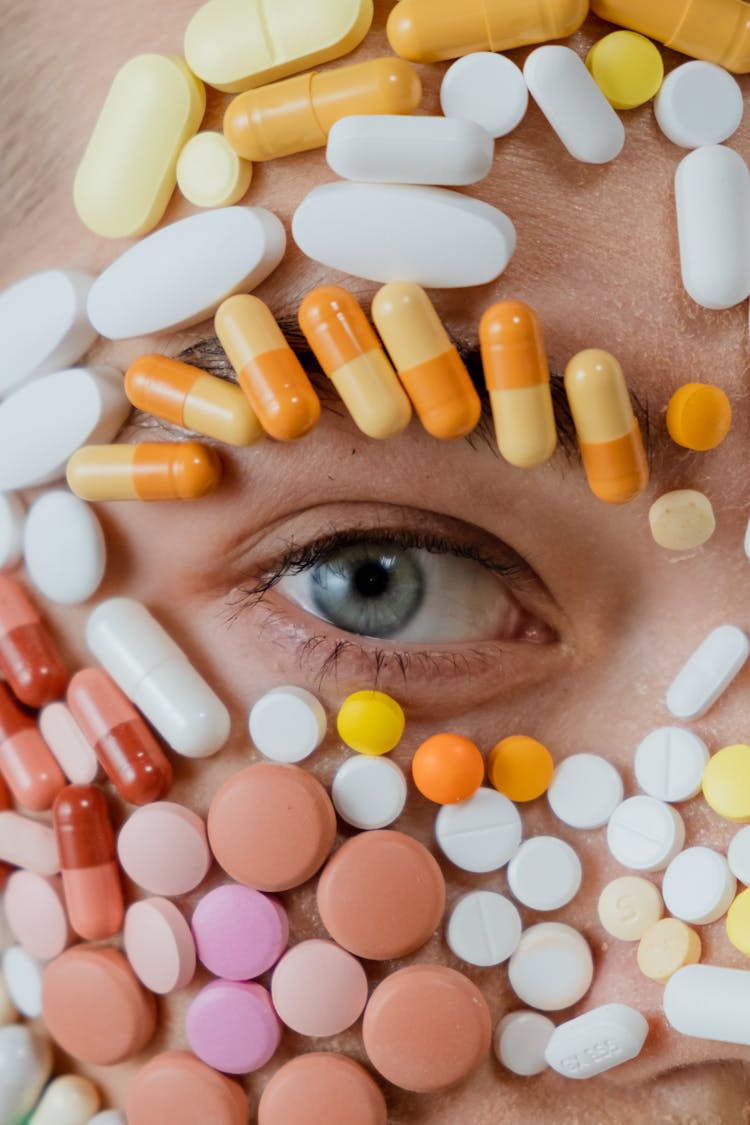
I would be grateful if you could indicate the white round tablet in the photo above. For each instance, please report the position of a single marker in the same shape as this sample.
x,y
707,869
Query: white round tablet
x,y
585,790
369,792
545,873
645,834
63,547
480,834
23,980
698,886
287,724
738,855
698,104
484,928
12,514
487,88
669,764
552,967
520,1041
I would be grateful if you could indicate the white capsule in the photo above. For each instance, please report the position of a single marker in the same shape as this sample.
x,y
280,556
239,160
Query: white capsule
x,y
520,1042
669,764
287,724
545,873
644,834
585,790
699,103
63,548
480,834
487,88
596,1041
369,792
552,967
738,855
12,516
698,886
709,1002
23,979
69,1100
25,1065
708,672
155,674
484,928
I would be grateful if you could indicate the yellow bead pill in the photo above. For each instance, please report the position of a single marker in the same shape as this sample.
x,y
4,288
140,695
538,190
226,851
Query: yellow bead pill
x,y
629,906
627,68
520,767
210,173
738,923
726,782
666,947
699,416
682,520
370,722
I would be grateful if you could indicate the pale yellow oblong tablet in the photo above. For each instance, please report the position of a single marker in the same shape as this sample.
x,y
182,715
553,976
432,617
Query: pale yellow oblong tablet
x,y
682,520
129,169
666,947
210,173
240,44
738,923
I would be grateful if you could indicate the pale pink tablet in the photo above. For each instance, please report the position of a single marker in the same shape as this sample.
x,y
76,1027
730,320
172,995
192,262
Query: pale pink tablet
x,y
239,932
163,848
35,912
159,946
75,756
28,843
318,988
233,1027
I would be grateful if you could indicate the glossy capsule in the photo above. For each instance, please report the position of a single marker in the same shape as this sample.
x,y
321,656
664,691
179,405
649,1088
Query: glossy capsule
x,y
608,433
517,377
26,762
428,365
127,750
268,371
6,869
186,396
297,114
91,880
28,658
349,352
153,470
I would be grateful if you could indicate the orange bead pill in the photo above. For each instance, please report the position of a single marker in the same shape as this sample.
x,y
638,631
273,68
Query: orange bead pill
x,y
699,416
28,658
91,879
26,762
176,1088
152,470
447,768
520,767
322,1089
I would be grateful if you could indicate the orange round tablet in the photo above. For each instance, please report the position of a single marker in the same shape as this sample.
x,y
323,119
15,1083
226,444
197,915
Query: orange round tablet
x,y
447,768
520,767
699,416
322,1089
176,1088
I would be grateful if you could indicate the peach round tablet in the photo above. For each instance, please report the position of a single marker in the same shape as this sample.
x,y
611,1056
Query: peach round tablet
x,y
271,826
232,1026
239,932
381,895
426,1027
35,911
318,988
176,1089
163,848
159,945
95,1007
321,1089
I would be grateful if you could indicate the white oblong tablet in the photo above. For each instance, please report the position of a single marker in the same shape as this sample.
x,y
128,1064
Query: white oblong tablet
x,y
23,979
480,834
487,88
552,967
74,755
575,107
44,325
404,149
596,1041
181,273
389,232
484,928
369,792
712,193
645,834
545,873
25,1065
520,1041
738,855
63,548
669,764
287,724
698,886
45,422
708,672
699,103
585,790
12,516
709,1002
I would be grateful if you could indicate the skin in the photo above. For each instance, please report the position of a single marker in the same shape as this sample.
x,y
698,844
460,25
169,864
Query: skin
x,y
597,257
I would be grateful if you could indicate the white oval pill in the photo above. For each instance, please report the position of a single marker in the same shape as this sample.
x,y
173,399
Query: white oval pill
x,y
369,792
159,945
45,422
387,232
585,790
287,724
645,834
44,325
63,548
738,855
712,193
484,928
699,103
698,886
596,1041
709,1002
669,764
545,873
181,273
552,967
68,1100
487,88
35,912
480,834
23,979
520,1042
12,516
74,755
575,107
25,1065
708,672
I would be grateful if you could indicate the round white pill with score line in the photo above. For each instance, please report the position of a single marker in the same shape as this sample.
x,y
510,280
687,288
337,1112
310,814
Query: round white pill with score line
x,y
484,928
480,834
738,855
698,886
287,724
708,672
699,103
596,1041
552,967
520,1041
545,873
12,516
669,763
23,979
645,834
63,548
487,88
369,792
585,790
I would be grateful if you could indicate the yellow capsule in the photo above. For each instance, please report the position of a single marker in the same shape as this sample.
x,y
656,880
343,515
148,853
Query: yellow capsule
x,y
153,470
189,397
608,433
350,354
428,365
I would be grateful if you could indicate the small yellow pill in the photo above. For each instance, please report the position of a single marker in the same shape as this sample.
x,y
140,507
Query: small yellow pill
x,y
726,783
210,173
699,416
370,722
520,767
738,923
627,68
682,520
629,906
666,947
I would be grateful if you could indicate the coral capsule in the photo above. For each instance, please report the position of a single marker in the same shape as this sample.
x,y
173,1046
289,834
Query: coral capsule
x,y
28,658
26,762
91,880
152,470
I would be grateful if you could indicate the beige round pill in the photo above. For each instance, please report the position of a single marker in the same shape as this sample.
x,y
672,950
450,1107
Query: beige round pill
x,y
682,520
210,173
629,906
666,947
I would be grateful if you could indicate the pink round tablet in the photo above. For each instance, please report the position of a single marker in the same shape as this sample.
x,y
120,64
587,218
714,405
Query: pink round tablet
x,y
163,848
233,1027
318,988
239,932
159,945
35,911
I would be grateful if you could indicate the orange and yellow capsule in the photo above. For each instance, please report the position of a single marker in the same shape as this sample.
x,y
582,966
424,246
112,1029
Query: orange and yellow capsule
x,y
428,365
268,371
153,470
608,433
517,377
349,352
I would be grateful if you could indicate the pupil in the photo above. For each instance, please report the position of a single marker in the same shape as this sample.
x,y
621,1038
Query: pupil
x,y
371,580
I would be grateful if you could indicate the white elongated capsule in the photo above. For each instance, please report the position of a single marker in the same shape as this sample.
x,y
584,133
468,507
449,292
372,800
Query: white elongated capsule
x,y
712,193
25,1065
63,547
181,273
708,672
155,674
596,1041
404,149
69,1100
575,107
12,516
43,325
709,1002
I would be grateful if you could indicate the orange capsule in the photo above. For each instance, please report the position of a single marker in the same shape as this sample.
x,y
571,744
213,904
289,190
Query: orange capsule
x,y
26,762
28,659
349,352
153,470
268,371
91,880
447,768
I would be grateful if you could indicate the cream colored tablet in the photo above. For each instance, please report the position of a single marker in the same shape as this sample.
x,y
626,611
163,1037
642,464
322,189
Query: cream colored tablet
x,y
629,906
210,173
682,520
666,947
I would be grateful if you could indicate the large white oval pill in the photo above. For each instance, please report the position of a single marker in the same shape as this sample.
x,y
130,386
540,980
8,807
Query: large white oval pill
x,y
63,547
698,886
487,88
645,834
596,1041
552,967
399,232
12,516
480,834
669,764
699,103
709,1002
708,672
181,273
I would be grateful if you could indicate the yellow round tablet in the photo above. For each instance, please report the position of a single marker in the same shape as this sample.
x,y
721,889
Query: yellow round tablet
x,y
738,923
666,947
370,722
726,782
520,767
682,520
699,416
210,173
627,68
629,906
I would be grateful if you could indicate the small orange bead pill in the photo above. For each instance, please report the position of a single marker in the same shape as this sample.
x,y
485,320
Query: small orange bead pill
x,y
447,768
152,470
520,767
699,416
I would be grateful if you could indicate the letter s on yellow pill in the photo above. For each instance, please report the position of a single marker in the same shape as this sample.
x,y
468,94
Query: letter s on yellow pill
x,y
128,171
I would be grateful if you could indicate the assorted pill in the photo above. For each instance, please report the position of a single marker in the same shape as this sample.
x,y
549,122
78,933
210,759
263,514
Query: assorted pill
x,y
698,886
665,947
585,790
520,767
63,548
707,673
74,755
545,873
90,876
484,928
725,782
716,39
175,1086
370,722
699,103
69,1100
520,1041
12,516
319,1086
682,520
287,724
153,470
369,792
159,946
627,68
709,1002
26,764
596,1041
34,909
28,843
23,979
699,416
232,1026
239,932
486,88
480,834
25,1066
163,848
645,834
318,989
738,855
669,763
629,906
447,768
210,173
738,923
552,967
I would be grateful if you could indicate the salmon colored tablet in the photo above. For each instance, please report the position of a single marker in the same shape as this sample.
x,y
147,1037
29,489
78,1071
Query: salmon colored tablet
x,y
321,1089
318,988
176,1088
